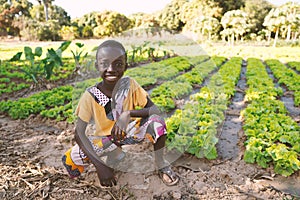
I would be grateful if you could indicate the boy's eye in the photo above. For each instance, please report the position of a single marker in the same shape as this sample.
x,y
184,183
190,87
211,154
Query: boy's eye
x,y
115,64
104,64
118,64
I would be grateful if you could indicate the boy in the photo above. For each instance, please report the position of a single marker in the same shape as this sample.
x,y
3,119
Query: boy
x,y
112,105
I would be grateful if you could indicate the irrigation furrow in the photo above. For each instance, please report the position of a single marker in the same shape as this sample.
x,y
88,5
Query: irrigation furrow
x,y
167,95
288,80
229,131
194,128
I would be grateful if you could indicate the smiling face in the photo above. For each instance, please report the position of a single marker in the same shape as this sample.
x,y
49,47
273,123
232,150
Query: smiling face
x,y
111,63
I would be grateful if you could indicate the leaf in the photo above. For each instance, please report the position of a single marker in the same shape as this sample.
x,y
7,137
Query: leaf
x,y
53,56
38,51
78,44
17,56
211,153
249,156
28,53
64,46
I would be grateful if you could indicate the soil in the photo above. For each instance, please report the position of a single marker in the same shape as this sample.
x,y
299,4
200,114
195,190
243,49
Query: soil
x,y
31,168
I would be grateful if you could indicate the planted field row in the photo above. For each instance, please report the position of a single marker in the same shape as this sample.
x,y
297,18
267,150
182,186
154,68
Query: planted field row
x,y
194,128
295,65
287,77
164,96
17,75
272,136
57,103
39,102
164,70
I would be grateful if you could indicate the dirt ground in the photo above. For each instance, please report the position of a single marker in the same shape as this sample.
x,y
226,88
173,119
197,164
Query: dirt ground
x,y
31,168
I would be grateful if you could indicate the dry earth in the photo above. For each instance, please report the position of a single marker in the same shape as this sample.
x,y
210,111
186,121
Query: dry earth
x,y
31,168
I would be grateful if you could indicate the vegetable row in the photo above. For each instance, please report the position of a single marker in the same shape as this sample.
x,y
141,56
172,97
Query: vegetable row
x,y
194,128
286,76
165,95
272,136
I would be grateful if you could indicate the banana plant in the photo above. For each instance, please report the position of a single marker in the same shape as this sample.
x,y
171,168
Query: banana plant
x,y
40,69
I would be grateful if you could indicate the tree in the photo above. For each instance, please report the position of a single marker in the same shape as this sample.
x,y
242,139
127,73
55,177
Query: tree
x,y
235,24
111,23
257,11
196,10
46,4
54,13
273,22
170,16
228,5
291,13
12,14
206,26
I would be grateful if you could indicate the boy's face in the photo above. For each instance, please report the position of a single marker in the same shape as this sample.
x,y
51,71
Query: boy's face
x,y
111,64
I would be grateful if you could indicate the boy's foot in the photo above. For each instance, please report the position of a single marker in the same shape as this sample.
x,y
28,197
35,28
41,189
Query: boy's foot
x,y
168,176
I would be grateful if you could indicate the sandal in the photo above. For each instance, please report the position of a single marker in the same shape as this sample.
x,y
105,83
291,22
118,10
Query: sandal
x,y
168,176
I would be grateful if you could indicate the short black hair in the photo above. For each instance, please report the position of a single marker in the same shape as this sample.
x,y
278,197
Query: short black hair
x,y
110,43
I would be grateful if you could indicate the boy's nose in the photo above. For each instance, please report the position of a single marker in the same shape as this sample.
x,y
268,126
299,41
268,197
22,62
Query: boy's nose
x,y
110,67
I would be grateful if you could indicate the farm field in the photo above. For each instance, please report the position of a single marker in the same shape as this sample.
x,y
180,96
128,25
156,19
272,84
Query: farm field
x,y
232,112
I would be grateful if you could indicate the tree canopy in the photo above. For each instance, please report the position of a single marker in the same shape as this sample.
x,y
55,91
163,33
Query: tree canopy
x,y
206,19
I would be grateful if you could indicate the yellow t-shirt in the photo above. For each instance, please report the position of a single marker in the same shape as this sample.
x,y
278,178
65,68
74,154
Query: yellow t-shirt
x,y
89,108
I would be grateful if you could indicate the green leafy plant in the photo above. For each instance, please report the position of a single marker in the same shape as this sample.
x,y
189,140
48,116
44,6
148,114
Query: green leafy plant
x,y
79,55
38,70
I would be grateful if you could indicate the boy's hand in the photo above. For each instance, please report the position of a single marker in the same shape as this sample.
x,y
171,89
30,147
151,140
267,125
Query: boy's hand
x,y
106,176
118,132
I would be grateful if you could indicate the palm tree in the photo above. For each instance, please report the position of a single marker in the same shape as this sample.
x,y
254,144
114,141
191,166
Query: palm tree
x,y
274,21
46,4
235,24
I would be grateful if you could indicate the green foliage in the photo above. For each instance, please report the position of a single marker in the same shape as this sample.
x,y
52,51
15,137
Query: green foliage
x,y
257,11
272,136
228,5
111,23
77,55
87,32
235,24
23,107
170,16
38,70
69,32
194,128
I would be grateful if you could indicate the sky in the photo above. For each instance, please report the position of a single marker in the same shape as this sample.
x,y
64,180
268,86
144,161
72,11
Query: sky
x,y
77,8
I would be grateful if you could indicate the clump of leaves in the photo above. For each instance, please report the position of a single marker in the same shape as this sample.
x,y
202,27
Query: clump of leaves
x,y
36,69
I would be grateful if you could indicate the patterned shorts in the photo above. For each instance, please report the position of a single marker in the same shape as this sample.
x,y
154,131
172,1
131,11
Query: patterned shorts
x,y
151,128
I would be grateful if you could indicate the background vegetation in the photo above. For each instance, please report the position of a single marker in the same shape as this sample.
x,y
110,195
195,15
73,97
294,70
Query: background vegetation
x,y
228,20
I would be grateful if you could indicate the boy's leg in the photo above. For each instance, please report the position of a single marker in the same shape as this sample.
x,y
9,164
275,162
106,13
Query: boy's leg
x,y
156,132
75,160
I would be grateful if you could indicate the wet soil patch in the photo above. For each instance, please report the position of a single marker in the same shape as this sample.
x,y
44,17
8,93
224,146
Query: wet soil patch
x,y
287,98
231,129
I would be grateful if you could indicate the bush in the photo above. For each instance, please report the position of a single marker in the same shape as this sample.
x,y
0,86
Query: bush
x,y
69,32
42,31
87,32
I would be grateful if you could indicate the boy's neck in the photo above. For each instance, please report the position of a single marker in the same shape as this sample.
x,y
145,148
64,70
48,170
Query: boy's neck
x,y
106,89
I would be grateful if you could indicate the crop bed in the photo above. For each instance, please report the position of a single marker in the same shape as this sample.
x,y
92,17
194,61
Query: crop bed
x,y
37,129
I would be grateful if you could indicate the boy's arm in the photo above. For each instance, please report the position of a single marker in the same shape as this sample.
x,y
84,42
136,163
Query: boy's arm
x,y
121,125
105,174
149,109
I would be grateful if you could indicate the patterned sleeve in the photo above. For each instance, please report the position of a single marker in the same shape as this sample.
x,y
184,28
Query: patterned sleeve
x,y
139,94
84,108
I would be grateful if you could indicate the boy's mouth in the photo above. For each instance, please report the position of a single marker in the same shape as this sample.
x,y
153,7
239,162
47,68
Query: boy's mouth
x,y
111,77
